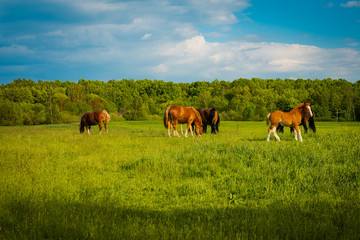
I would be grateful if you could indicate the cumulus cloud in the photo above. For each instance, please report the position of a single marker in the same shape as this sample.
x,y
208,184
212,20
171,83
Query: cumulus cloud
x,y
146,36
161,40
351,4
234,59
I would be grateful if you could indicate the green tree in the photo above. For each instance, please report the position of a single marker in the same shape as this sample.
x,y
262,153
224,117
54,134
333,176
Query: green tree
x,y
10,113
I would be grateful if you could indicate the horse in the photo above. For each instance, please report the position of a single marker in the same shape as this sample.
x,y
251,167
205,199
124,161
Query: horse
x,y
94,118
178,114
289,119
210,117
304,120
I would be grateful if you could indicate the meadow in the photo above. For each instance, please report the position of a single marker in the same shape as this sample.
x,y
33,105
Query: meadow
x,y
137,183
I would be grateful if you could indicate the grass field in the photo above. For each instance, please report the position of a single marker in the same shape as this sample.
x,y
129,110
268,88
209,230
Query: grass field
x,y
137,183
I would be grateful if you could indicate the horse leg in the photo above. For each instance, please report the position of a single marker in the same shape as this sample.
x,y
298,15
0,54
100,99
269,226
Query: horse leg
x,y
182,133
212,128
88,129
106,127
272,129
176,134
305,128
297,129
268,135
189,126
274,132
169,129
100,128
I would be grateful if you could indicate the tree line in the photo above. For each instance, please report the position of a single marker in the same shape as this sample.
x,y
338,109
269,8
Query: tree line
x,y
26,102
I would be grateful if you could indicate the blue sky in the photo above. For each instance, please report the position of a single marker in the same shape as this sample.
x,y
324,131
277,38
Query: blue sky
x,y
179,41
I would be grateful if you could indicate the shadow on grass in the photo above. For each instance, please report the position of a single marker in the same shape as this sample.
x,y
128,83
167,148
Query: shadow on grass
x,y
56,220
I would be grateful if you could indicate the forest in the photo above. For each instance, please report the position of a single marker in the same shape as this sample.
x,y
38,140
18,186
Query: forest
x,y
26,102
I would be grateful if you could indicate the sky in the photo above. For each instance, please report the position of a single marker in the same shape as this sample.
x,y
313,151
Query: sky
x,y
179,41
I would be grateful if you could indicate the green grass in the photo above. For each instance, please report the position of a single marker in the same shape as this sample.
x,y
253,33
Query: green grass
x,y
136,183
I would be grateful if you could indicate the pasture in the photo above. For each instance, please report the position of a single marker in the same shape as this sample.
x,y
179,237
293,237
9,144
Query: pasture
x,y
135,183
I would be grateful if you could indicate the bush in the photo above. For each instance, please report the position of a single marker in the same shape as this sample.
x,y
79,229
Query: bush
x,y
10,113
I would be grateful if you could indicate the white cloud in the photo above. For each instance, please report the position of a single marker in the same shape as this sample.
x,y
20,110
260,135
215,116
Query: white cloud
x,y
217,12
15,50
330,5
160,40
201,59
351,4
94,6
146,36
57,33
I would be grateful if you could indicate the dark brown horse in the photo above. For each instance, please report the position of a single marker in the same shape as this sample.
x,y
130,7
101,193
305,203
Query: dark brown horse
x,y
177,114
94,118
210,117
289,119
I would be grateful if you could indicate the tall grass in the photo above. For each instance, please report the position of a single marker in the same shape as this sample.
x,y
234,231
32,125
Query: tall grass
x,y
135,182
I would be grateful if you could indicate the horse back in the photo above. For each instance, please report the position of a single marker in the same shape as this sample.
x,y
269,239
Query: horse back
x,y
175,112
286,118
93,118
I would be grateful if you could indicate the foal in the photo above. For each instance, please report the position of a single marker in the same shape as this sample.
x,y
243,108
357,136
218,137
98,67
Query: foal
x,y
289,119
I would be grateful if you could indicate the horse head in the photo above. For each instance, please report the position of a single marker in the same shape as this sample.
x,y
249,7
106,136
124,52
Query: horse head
x,y
308,109
198,123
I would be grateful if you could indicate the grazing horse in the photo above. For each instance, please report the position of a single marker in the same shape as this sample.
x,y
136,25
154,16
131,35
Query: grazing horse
x,y
94,118
177,114
289,119
210,117
304,120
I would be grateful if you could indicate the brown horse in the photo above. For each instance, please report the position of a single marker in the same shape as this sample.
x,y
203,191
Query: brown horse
x,y
210,117
94,118
177,114
289,119
304,121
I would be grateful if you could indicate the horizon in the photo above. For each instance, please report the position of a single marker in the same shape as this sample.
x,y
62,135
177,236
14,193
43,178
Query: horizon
x,y
152,80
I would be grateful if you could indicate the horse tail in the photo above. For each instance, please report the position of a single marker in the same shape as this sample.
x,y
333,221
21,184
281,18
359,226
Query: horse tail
x,y
213,119
268,119
166,117
213,116
107,116
217,121
82,126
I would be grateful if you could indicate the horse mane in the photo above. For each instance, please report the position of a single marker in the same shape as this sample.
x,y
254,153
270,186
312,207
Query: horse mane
x,y
198,116
299,106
